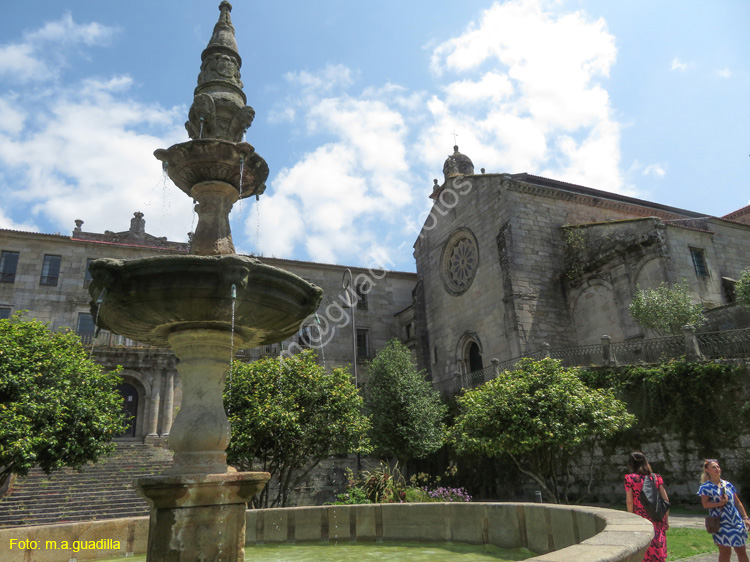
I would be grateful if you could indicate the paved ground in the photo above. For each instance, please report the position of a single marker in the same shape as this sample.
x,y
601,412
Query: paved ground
x,y
695,522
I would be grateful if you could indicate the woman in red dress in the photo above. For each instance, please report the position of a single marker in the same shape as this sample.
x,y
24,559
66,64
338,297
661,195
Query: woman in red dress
x,y
639,470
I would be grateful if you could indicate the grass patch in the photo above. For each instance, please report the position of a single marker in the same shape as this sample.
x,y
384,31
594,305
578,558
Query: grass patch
x,y
683,543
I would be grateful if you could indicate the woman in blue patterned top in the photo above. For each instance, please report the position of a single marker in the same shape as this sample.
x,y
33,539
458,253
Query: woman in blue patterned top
x,y
720,498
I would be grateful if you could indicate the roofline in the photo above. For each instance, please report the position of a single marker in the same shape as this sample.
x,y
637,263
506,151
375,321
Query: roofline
x,y
590,191
329,265
353,268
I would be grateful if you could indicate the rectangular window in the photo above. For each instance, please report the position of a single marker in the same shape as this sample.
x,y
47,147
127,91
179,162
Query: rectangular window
x,y
8,265
50,270
87,276
363,344
4,312
305,336
85,327
699,262
361,298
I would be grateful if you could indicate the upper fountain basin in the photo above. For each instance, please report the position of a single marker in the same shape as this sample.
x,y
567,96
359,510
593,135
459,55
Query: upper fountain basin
x,y
147,299
196,161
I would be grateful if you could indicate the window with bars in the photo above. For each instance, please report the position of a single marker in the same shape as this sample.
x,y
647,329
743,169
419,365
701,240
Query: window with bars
x,y
4,312
50,270
699,262
85,327
361,297
8,266
363,343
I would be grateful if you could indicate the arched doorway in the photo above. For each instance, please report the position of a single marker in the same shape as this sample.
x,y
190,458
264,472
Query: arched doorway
x,y
129,407
475,358
469,353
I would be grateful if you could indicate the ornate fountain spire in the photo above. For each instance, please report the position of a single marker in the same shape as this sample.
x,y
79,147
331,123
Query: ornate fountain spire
x,y
219,110
216,168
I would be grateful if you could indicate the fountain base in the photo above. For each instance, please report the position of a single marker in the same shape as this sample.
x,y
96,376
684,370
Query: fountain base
x,y
199,517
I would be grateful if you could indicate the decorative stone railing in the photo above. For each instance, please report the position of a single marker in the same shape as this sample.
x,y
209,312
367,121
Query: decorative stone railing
x,y
726,344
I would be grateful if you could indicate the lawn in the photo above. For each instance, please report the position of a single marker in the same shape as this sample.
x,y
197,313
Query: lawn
x,y
682,543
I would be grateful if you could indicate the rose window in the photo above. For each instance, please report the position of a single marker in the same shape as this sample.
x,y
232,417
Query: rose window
x,y
460,262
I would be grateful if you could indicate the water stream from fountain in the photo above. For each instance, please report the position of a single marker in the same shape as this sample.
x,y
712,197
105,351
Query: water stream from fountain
x,y
257,225
320,341
231,348
242,169
99,301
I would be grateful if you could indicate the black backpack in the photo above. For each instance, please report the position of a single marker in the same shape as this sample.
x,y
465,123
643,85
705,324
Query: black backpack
x,y
651,499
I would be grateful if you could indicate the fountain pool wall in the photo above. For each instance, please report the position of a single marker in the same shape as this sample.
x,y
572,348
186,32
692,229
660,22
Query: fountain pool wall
x,y
559,533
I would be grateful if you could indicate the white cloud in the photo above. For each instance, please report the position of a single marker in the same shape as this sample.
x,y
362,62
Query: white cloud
x,y
19,62
86,155
9,223
340,193
724,73
332,77
654,170
66,31
12,118
529,105
677,64
40,55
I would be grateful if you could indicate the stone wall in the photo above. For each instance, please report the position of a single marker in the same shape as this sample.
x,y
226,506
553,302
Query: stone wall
x,y
681,468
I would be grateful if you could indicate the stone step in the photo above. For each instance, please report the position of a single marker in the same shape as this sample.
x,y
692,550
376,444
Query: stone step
x,y
88,510
103,490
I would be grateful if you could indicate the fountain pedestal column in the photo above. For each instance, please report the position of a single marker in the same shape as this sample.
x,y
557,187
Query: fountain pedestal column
x,y
213,235
200,432
197,507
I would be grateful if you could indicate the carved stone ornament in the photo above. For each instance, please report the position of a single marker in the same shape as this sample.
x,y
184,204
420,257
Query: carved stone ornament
x,y
459,262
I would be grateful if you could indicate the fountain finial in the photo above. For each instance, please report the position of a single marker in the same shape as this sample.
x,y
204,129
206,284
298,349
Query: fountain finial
x,y
219,110
223,35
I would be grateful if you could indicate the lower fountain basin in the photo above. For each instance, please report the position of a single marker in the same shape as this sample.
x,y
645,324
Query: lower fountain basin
x,y
148,299
557,533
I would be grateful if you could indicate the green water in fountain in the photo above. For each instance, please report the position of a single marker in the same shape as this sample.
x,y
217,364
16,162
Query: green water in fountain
x,y
376,552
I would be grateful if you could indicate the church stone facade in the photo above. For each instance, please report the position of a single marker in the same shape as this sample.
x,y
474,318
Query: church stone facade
x,y
507,263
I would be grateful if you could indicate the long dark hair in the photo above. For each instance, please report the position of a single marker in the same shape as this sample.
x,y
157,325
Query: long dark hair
x,y
638,464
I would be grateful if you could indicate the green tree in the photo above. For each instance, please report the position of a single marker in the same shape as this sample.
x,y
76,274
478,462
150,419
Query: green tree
x,y
541,415
665,310
406,413
287,415
57,407
742,289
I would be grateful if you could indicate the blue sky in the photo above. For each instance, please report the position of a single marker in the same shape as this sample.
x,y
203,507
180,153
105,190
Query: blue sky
x,y
356,105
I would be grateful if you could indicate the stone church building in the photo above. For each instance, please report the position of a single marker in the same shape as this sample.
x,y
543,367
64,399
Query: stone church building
x,y
505,264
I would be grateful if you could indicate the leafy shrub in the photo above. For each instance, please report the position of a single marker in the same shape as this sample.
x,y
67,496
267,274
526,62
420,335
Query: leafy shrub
x,y
386,484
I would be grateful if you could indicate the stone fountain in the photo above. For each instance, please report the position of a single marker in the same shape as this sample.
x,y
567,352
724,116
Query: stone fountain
x,y
204,306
